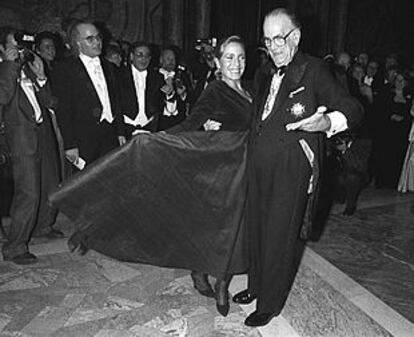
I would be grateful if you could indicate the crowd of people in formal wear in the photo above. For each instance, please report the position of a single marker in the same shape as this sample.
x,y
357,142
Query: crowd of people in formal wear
x,y
380,150
65,106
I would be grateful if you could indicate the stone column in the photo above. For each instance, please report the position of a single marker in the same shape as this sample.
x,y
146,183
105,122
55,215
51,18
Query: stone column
x,y
173,19
202,11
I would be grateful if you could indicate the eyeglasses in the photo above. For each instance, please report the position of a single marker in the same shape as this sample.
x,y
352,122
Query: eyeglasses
x,y
279,41
142,55
92,38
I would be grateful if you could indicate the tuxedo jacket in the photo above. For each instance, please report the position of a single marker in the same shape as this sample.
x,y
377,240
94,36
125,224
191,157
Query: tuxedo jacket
x,y
307,84
154,98
19,115
78,106
167,122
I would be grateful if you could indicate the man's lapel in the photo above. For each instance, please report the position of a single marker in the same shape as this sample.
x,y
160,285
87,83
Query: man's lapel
x,y
83,76
293,76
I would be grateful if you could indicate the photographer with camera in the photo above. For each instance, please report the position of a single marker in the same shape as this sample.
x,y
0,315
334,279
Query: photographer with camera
x,y
25,98
205,70
177,89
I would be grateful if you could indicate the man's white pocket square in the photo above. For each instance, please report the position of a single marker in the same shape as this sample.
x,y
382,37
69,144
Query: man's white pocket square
x,y
298,90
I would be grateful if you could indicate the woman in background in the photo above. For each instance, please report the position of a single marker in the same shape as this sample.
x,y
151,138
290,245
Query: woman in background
x,y
406,182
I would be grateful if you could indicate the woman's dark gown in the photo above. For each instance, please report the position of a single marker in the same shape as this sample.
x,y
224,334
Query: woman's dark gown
x,y
170,199
394,140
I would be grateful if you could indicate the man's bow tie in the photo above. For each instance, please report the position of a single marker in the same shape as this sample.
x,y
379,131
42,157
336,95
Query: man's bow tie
x,y
280,70
95,61
167,73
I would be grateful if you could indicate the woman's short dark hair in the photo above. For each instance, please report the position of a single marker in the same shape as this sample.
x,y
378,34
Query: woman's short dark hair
x,y
225,42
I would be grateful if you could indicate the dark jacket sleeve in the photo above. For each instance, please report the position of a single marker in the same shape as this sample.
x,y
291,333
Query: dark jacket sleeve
x,y
9,72
200,112
63,91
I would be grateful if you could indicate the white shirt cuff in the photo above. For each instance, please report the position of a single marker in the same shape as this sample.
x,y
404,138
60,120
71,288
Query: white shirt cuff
x,y
339,123
41,82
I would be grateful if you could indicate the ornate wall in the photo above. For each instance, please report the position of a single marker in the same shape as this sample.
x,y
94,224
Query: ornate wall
x,y
126,19
376,26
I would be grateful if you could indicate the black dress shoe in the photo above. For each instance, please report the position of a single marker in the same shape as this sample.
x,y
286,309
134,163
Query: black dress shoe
x,y
256,319
25,258
222,297
201,284
244,297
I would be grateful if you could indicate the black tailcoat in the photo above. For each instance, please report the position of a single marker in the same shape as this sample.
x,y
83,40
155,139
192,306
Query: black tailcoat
x,y
280,173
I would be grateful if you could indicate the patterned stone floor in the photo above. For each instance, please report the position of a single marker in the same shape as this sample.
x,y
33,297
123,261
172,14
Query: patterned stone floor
x,y
69,295
376,247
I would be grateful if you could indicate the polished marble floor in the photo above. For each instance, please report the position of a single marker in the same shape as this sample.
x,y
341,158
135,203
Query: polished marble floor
x,y
357,280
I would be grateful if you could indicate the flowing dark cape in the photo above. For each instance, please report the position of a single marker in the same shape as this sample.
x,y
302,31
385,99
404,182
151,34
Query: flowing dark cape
x,y
166,200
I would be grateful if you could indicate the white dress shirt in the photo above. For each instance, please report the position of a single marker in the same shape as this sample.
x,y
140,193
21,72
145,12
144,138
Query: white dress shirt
x,y
140,81
94,68
170,107
338,120
28,87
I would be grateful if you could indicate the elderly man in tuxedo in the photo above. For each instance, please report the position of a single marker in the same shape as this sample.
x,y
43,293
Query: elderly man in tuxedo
x,y
25,99
298,103
142,99
88,109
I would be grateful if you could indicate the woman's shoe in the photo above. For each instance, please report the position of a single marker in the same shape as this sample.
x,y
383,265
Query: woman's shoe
x,y
201,284
222,297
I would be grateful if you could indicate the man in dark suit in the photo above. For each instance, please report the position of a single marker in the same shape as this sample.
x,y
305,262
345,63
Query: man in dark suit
x,y
285,156
88,109
25,98
141,97
177,88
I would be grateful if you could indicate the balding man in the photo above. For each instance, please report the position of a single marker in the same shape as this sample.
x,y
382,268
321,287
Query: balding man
x,y
298,103
88,109
177,90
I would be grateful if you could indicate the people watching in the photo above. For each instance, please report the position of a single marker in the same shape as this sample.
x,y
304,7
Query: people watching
x,y
177,88
25,98
113,54
45,46
89,111
142,100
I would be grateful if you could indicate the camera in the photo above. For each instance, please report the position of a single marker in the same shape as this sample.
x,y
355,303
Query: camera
x,y
178,78
206,48
25,43
201,43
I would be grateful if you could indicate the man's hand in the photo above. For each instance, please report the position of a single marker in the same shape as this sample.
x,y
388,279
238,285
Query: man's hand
x,y
121,140
37,67
318,122
212,125
11,54
181,91
396,118
72,154
168,87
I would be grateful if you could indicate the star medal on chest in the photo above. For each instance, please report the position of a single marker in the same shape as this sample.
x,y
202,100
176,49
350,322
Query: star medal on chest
x,y
297,110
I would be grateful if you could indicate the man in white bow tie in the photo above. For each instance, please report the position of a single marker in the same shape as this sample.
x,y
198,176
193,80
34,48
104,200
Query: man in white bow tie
x,y
177,90
142,99
88,98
